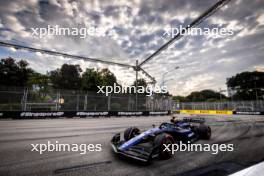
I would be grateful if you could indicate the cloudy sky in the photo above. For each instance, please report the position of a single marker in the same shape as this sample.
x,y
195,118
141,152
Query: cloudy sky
x,y
133,29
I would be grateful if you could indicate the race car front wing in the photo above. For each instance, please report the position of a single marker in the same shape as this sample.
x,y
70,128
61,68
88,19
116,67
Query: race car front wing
x,y
141,152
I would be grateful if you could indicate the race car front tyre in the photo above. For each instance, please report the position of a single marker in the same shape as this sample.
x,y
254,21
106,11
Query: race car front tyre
x,y
204,131
160,141
116,138
130,133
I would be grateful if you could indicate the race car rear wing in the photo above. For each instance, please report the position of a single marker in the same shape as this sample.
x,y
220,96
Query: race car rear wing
x,y
194,119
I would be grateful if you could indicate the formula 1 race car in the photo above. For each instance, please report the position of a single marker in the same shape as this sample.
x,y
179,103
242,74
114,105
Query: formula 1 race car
x,y
150,144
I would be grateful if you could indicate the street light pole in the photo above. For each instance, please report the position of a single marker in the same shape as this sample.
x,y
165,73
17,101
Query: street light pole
x,y
256,91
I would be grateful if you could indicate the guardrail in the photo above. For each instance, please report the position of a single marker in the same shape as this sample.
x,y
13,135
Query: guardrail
x,y
250,105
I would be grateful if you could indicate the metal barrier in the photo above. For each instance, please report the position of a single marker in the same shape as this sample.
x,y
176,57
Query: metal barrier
x,y
25,99
230,105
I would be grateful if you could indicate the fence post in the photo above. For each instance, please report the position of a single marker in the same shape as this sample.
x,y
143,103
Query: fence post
x,y
146,103
85,102
154,103
24,100
57,100
78,102
128,103
109,102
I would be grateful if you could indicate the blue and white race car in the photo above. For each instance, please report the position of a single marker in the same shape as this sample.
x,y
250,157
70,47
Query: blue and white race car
x,y
150,144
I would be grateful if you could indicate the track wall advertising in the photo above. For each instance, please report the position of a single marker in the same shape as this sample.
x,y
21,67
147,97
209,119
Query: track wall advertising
x,y
220,112
71,114
213,112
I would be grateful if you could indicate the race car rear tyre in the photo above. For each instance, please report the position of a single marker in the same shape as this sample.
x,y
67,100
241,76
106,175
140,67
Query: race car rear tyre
x,y
159,142
130,133
204,131
195,129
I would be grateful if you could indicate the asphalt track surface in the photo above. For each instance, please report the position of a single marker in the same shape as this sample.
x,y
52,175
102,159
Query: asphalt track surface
x,y
16,157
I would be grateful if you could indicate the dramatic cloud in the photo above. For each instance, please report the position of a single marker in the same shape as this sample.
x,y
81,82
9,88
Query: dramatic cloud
x,y
133,29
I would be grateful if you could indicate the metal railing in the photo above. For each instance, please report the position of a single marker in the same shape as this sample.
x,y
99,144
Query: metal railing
x,y
25,99
229,105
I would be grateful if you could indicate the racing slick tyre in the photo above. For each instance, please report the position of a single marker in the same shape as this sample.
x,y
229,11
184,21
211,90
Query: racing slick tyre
x,y
159,142
195,129
130,133
204,131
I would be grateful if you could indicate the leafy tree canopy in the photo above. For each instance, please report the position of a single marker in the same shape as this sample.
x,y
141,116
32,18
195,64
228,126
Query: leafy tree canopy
x,y
66,77
246,80
200,96
92,78
14,73
141,82
247,85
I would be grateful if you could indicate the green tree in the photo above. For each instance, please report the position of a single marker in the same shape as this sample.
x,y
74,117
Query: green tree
x,y
108,77
39,80
195,97
142,85
201,96
67,77
140,82
91,79
14,73
247,85
179,98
